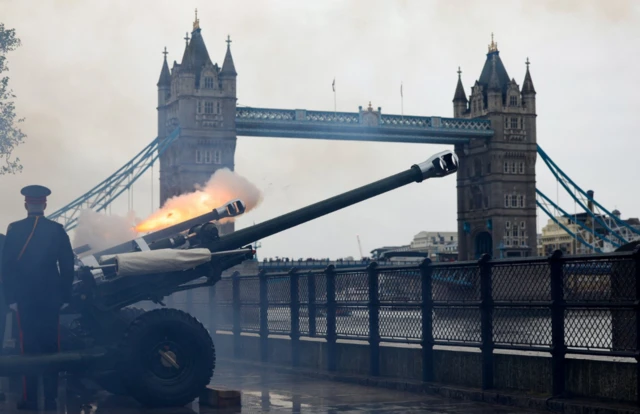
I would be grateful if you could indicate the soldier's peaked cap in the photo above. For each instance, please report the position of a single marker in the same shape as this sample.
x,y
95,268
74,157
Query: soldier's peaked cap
x,y
35,194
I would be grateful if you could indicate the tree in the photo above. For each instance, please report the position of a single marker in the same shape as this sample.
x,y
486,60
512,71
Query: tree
x,y
10,135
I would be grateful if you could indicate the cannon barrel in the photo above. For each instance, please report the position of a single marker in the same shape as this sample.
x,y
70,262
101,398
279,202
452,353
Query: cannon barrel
x,y
439,165
230,209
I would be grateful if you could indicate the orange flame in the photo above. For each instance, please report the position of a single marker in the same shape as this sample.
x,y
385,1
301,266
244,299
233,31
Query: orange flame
x,y
223,186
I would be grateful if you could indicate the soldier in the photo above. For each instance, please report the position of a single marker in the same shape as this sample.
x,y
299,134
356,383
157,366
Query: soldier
x,y
3,308
37,272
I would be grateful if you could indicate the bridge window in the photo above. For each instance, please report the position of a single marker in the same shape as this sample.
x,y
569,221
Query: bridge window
x,y
208,82
508,242
521,168
218,107
507,200
522,225
514,123
198,157
513,101
207,157
515,231
513,168
199,107
217,157
208,107
508,224
521,201
506,167
514,201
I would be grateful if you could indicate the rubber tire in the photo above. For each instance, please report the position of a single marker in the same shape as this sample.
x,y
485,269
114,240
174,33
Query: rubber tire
x,y
130,314
111,381
199,359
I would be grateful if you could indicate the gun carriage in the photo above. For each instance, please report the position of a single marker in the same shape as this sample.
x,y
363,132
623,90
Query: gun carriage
x,y
165,357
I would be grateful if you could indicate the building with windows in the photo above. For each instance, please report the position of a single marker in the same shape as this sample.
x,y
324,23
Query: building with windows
x,y
554,237
496,177
200,97
439,246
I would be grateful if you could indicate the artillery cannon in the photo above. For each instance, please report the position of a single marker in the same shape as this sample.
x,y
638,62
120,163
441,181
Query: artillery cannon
x,y
165,357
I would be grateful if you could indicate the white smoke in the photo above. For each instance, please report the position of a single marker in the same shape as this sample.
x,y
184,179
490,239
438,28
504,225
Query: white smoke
x,y
223,186
101,231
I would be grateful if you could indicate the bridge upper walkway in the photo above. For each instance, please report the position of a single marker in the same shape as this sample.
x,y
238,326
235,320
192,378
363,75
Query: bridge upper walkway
x,y
367,125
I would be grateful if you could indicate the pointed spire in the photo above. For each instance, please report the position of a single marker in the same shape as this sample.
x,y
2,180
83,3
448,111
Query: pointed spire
x,y
527,85
186,60
196,22
494,82
165,75
493,47
228,68
460,96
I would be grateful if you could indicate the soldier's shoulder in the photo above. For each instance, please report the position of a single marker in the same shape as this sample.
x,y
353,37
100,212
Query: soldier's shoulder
x,y
16,225
52,224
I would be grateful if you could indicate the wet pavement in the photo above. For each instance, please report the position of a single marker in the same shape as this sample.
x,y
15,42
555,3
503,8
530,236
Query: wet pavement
x,y
264,391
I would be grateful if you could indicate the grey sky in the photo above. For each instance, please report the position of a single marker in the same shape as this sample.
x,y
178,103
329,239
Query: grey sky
x,y
87,71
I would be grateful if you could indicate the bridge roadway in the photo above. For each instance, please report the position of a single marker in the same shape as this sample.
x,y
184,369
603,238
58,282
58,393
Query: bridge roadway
x,y
274,392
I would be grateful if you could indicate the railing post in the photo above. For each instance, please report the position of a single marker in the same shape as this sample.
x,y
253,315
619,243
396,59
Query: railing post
x,y
237,308
294,279
330,273
264,317
486,321
426,272
311,291
558,348
636,262
374,319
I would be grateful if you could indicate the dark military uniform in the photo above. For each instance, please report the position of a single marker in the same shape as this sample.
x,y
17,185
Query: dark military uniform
x,y
3,306
37,272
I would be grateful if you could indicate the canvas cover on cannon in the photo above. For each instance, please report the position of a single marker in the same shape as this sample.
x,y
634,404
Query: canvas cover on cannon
x,y
165,357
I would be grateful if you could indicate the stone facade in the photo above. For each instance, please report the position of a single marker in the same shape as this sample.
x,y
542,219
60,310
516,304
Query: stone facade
x,y
496,182
199,97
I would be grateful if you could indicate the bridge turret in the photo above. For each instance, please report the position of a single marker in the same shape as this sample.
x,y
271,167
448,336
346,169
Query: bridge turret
x,y
528,92
228,77
459,98
164,88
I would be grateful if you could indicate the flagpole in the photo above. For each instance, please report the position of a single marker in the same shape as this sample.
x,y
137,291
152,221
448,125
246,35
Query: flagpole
x,y
335,106
401,102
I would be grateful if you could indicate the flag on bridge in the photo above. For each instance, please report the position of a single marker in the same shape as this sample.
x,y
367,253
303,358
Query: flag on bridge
x,y
333,85
401,90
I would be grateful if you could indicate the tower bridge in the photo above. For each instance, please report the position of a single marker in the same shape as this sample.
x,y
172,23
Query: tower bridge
x,y
493,131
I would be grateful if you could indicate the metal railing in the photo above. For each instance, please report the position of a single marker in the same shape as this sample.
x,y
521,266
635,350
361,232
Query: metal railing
x,y
559,305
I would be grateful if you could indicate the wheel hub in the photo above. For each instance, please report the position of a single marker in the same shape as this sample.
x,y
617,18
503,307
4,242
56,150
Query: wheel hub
x,y
168,359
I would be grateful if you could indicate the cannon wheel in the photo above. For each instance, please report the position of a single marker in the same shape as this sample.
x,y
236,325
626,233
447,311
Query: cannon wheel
x,y
110,381
166,358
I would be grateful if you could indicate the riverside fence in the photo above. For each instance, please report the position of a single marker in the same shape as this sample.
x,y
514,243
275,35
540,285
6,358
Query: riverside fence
x,y
559,305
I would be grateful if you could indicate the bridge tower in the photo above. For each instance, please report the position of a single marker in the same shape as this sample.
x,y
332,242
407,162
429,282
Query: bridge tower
x,y
496,181
200,98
